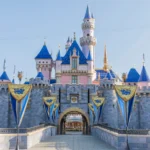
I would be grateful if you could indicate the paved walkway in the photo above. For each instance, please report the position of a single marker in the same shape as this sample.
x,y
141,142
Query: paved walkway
x,y
72,142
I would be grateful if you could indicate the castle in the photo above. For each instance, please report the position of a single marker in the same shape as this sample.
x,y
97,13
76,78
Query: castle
x,y
76,77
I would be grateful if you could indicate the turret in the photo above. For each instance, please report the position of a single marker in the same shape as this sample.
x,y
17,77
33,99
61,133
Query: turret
x,y
45,62
132,77
90,68
144,78
88,41
4,77
58,67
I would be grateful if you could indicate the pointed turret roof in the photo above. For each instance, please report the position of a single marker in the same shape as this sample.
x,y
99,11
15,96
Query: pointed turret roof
x,y
133,76
108,76
44,53
4,76
40,75
58,56
89,58
144,76
88,13
66,58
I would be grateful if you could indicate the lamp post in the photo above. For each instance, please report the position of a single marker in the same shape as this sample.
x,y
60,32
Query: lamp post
x,y
20,75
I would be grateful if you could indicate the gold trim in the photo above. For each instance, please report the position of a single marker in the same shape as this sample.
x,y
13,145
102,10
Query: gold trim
x,y
94,98
45,99
20,96
125,97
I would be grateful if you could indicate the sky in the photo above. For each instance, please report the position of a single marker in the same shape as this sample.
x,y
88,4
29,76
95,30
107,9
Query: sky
x,y
123,25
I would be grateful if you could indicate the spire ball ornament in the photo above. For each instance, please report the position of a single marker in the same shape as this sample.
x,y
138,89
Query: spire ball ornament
x,y
20,75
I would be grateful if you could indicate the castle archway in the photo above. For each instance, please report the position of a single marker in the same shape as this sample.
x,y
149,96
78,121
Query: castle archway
x,y
82,124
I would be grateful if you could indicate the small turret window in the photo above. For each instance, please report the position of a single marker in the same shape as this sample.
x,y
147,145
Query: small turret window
x,y
88,34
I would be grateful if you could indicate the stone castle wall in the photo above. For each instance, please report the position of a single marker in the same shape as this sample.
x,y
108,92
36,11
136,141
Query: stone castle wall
x,y
111,115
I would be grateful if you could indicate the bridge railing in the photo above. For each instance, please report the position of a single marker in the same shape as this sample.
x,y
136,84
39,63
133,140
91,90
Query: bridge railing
x,y
23,130
125,131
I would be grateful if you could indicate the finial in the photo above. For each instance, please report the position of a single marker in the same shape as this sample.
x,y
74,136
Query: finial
x,y
59,46
74,36
4,65
14,71
44,40
143,59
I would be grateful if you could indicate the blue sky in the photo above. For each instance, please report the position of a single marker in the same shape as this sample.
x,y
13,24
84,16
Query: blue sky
x,y
123,25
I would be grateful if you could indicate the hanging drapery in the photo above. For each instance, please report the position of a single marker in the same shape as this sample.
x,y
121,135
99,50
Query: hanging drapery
x,y
55,111
19,94
49,103
126,95
98,105
92,115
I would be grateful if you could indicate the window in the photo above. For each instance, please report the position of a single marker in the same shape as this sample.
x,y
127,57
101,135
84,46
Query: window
x,y
74,63
74,80
88,34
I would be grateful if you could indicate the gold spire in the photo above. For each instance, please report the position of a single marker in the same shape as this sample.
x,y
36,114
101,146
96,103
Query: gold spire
x,y
105,60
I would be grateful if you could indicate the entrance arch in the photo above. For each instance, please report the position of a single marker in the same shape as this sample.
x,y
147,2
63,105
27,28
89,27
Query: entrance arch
x,y
61,120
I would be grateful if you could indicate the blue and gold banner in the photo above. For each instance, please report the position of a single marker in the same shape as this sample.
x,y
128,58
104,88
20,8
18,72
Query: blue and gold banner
x,y
19,95
98,105
49,103
19,91
55,111
98,101
125,92
126,95
92,115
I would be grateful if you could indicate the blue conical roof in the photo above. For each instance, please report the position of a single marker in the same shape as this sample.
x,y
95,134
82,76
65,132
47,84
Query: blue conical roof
x,y
87,14
89,58
4,76
44,53
58,56
144,76
133,76
108,76
40,75
66,58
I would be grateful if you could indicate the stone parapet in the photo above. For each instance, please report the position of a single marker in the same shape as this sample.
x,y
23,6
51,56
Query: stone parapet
x,y
137,140
26,140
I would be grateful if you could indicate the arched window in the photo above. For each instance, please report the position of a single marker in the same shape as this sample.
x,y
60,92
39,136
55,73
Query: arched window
x,y
74,63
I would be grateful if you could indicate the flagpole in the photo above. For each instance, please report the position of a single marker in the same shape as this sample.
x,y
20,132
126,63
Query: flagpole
x,y
126,105
17,143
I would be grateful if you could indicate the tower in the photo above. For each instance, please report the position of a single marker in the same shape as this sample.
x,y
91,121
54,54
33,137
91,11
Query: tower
x,y
44,62
88,41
